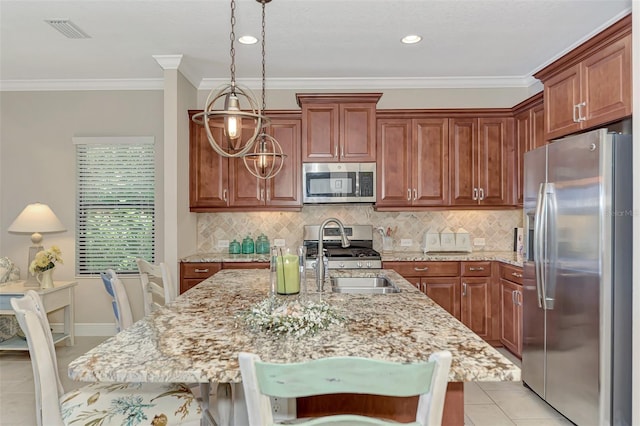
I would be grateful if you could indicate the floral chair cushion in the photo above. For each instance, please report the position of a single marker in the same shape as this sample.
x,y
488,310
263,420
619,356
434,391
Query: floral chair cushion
x,y
131,404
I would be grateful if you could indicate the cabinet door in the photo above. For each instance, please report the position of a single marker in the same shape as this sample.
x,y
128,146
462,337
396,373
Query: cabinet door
x,y
509,318
522,124
394,162
430,158
537,127
606,83
562,94
462,143
494,146
445,291
357,132
284,189
245,190
475,304
208,171
320,131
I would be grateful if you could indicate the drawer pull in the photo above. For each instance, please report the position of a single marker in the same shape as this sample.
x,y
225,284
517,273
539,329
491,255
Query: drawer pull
x,y
517,275
473,268
201,270
426,268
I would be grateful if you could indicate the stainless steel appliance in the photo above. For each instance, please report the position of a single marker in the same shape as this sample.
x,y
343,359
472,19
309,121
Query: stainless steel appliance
x,y
577,276
339,182
359,255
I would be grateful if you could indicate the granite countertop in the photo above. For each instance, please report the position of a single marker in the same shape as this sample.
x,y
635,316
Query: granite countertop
x,y
197,337
509,257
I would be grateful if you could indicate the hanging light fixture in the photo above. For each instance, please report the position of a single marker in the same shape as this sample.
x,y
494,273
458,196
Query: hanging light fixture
x,y
232,117
267,158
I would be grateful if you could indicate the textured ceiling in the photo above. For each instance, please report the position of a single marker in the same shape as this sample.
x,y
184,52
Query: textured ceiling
x,y
308,41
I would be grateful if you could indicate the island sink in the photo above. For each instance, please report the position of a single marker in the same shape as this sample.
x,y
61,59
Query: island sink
x,y
367,285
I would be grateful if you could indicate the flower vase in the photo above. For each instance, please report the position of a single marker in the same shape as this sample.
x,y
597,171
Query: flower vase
x,y
45,278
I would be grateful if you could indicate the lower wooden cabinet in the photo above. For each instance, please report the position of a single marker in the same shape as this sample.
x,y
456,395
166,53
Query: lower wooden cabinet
x,y
511,308
192,273
467,290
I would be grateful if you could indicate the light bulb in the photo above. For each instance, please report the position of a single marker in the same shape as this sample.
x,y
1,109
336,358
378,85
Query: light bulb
x,y
232,123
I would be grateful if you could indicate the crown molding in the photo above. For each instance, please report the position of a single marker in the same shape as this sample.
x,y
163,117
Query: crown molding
x,y
375,83
81,85
168,62
275,83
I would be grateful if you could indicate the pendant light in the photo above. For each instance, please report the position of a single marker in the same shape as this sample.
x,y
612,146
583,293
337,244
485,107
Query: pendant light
x,y
232,117
267,158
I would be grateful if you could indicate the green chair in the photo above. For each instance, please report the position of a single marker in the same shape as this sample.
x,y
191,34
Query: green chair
x,y
262,380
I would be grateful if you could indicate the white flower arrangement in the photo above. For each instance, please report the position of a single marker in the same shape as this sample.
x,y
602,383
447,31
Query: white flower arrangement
x,y
291,318
45,260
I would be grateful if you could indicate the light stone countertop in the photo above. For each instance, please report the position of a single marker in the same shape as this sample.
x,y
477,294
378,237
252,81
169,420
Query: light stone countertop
x,y
508,257
197,337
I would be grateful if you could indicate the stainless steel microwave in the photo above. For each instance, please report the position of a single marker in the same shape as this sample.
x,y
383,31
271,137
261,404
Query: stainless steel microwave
x,y
339,182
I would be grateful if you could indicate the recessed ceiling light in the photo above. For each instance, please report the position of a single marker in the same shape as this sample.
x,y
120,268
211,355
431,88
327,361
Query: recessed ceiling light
x,y
411,39
248,39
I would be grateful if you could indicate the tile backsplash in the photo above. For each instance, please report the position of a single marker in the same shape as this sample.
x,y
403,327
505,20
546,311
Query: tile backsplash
x,y
495,226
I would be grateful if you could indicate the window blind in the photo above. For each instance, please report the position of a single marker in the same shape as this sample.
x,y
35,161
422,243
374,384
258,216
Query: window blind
x,y
115,206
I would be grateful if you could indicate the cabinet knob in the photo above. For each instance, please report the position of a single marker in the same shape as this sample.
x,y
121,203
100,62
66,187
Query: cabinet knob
x,y
464,289
426,268
475,194
481,194
408,194
201,271
517,275
415,194
479,268
224,196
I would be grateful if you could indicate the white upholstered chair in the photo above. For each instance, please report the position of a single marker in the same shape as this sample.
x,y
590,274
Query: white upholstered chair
x,y
157,285
119,299
96,403
261,380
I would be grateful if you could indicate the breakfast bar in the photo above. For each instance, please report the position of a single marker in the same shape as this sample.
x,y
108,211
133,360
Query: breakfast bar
x,y
197,338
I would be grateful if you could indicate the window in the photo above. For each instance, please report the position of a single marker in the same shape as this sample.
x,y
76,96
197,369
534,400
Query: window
x,y
115,192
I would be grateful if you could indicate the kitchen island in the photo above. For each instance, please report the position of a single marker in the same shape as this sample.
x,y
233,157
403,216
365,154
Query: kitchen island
x,y
197,338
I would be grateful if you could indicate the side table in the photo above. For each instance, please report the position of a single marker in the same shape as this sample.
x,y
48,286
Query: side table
x,y
53,299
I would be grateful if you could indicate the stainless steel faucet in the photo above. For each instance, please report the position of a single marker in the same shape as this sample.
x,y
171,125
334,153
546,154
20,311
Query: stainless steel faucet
x,y
320,259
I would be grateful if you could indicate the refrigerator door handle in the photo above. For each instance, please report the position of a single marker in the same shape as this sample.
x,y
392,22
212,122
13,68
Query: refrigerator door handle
x,y
538,241
551,254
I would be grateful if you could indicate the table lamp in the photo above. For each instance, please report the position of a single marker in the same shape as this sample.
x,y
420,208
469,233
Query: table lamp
x,y
36,219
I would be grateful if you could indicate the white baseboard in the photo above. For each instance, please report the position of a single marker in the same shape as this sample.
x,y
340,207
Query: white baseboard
x,y
88,329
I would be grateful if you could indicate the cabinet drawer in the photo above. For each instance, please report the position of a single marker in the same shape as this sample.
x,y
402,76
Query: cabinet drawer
x,y
476,269
425,269
511,273
245,265
199,270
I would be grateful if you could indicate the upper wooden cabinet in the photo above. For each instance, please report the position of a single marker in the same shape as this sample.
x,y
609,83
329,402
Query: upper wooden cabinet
x,y
413,162
481,154
591,85
529,134
219,183
338,127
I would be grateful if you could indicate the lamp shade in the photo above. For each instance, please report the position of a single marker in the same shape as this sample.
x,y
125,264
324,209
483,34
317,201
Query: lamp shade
x,y
37,217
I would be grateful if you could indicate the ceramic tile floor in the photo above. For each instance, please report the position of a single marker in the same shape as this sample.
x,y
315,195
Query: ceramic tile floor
x,y
490,404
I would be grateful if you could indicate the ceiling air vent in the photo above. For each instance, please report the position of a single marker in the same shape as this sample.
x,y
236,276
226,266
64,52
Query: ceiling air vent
x,y
67,28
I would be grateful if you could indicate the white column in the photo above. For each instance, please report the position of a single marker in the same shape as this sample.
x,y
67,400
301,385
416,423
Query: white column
x,y
170,64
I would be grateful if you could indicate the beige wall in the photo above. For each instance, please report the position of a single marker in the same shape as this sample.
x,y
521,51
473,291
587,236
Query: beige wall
x,y
414,98
37,162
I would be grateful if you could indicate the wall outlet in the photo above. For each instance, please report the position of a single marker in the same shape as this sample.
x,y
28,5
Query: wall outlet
x,y
278,242
406,242
283,408
223,243
478,242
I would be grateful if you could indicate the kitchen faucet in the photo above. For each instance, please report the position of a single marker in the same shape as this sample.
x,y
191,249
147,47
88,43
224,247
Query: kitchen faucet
x,y
320,259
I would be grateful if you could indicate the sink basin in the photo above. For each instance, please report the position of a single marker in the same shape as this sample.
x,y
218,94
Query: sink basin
x,y
366,285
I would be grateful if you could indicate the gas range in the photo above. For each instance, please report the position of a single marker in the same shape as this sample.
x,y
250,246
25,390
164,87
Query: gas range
x,y
359,255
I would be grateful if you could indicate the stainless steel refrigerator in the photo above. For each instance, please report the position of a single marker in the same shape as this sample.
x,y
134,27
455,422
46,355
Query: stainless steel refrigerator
x,y
577,276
